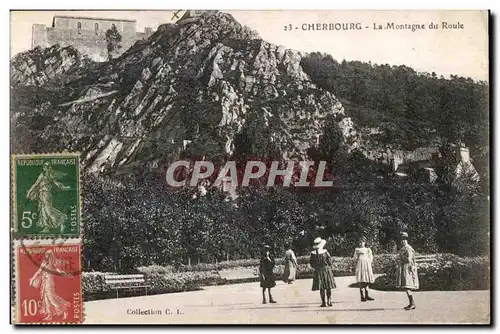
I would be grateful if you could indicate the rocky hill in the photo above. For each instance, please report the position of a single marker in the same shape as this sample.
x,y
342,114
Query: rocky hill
x,y
205,86
208,87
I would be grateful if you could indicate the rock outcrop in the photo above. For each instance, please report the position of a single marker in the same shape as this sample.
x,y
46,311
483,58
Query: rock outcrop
x,y
39,66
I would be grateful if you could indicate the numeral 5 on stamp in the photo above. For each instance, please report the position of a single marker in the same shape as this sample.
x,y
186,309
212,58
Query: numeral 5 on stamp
x,y
46,194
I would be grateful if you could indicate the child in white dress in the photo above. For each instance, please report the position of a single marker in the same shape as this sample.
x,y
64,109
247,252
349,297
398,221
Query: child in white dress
x,y
364,273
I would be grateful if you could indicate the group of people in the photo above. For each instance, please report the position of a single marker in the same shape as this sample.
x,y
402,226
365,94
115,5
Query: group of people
x,y
324,280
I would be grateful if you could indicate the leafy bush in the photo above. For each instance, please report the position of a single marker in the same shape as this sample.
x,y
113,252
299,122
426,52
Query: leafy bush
x,y
382,262
175,229
449,272
304,271
454,107
167,283
156,270
346,266
188,281
159,279
342,265
244,263
177,282
168,279
94,283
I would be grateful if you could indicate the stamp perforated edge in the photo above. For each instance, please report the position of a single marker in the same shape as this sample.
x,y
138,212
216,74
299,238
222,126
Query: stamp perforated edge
x,y
18,243
14,232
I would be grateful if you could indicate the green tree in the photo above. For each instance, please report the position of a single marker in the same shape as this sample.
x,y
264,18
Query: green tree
x,y
113,40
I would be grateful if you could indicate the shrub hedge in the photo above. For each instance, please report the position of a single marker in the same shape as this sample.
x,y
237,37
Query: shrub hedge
x,y
173,227
94,286
94,282
449,272
342,265
179,282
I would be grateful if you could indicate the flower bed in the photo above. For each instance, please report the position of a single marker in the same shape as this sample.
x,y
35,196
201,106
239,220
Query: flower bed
x,y
179,282
342,265
449,272
166,279
94,283
94,286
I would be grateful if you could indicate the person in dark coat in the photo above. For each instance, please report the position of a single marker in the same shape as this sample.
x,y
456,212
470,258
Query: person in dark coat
x,y
323,279
406,274
267,280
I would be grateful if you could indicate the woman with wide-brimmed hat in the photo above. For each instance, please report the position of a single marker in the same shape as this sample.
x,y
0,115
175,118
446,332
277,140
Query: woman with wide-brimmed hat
x,y
364,273
323,279
406,274
266,268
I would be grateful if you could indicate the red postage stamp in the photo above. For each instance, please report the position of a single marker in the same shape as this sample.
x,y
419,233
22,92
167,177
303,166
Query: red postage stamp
x,y
48,282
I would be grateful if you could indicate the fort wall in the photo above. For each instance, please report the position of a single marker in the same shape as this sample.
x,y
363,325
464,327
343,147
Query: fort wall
x,y
88,35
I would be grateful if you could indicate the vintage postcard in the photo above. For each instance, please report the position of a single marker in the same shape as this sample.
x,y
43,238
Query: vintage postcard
x,y
250,167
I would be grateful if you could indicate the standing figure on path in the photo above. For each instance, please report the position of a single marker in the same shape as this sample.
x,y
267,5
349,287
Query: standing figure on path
x,y
290,265
41,192
52,304
266,274
406,274
364,273
323,279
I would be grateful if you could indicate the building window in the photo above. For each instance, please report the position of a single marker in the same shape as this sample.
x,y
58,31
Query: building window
x,y
79,27
96,26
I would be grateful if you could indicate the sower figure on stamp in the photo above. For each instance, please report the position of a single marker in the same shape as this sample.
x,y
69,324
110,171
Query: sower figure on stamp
x,y
267,280
323,279
290,265
364,273
406,274
41,192
52,304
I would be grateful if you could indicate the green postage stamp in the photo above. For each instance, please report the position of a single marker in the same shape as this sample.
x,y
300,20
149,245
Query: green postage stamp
x,y
46,194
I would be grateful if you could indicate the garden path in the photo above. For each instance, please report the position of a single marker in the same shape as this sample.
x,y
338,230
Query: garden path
x,y
297,304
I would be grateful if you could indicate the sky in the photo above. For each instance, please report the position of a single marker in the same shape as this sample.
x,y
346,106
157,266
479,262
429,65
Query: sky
x,y
462,51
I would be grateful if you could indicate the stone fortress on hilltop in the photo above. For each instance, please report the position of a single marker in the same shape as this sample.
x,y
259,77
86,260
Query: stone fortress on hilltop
x,y
87,34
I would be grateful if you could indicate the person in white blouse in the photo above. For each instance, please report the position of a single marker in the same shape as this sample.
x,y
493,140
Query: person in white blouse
x,y
364,273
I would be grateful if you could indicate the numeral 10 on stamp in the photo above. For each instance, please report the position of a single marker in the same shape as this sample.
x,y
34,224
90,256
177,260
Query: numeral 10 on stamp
x,y
48,279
